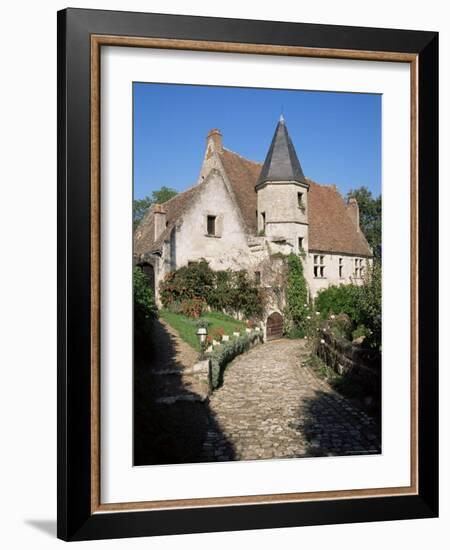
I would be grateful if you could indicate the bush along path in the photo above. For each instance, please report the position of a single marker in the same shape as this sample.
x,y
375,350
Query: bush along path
x,y
272,405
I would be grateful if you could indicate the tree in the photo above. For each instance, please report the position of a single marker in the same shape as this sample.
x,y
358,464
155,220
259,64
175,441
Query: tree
x,y
140,206
369,217
145,310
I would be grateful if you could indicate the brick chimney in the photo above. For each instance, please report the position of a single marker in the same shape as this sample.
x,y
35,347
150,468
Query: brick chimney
x,y
215,138
353,211
159,215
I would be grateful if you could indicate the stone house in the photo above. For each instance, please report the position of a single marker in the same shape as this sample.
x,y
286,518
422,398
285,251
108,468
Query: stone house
x,y
241,214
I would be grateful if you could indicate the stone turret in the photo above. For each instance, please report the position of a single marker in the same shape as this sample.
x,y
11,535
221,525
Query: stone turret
x,y
282,193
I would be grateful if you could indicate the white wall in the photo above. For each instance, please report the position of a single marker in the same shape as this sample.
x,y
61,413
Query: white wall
x,y
331,271
28,289
192,240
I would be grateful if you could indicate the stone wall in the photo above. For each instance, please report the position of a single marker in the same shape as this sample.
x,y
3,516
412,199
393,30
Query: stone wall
x,y
351,360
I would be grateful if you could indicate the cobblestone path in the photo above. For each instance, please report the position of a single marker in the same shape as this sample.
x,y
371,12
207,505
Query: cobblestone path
x,y
272,406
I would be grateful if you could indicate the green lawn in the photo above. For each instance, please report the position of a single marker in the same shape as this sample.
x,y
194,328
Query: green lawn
x,y
187,328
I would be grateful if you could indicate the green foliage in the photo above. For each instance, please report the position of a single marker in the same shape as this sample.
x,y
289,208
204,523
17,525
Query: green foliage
x,y
341,326
246,296
193,281
360,332
144,306
226,352
362,305
231,291
203,323
339,299
193,307
369,303
140,206
296,293
369,217
187,327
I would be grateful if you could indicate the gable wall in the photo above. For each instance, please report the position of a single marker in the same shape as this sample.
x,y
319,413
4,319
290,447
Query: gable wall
x,y
192,241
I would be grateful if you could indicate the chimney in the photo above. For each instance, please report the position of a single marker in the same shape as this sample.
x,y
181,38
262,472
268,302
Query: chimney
x,y
215,137
353,211
159,216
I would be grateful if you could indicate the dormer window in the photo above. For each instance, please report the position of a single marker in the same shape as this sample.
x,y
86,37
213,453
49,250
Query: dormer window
x,y
211,225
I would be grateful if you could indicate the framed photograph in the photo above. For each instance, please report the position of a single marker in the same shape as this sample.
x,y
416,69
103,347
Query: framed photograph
x,y
247,274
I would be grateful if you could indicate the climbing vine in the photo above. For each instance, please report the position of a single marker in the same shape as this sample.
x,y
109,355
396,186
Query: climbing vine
x,y
296,293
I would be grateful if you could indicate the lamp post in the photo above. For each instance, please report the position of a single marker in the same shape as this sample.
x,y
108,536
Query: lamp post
x,y
202,333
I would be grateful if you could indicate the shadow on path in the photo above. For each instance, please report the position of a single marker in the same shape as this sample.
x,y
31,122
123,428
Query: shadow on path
x,y
171,419
333,426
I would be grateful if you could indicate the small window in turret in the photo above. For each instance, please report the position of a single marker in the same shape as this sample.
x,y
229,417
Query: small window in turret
x,y
300,244
300,202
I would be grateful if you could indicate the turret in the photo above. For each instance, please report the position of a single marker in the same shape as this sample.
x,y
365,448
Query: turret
x,y
282,193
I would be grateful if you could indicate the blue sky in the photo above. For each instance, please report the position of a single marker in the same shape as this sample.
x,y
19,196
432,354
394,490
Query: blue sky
x,y
337,136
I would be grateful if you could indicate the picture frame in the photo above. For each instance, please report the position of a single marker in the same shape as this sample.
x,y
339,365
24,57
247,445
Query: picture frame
x,y
81,35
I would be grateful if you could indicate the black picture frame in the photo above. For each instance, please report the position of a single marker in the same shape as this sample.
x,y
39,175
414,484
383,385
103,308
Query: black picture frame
x,y
75,518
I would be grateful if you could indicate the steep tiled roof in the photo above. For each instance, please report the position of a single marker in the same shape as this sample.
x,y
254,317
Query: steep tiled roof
x,y
144,240
242,175
330,227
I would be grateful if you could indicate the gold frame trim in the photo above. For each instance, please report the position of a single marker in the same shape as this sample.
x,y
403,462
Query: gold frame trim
x,y
97,41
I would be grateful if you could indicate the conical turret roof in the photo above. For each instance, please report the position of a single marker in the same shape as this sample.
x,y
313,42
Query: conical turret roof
x,y
281,162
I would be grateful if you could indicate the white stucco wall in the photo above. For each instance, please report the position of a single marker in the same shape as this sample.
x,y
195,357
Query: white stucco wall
x,y
331,272
192,240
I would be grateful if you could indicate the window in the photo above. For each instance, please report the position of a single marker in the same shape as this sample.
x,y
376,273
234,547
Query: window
x,y
341,268
359,269
263,221
300,243
300,201
258,277
319,266
211,225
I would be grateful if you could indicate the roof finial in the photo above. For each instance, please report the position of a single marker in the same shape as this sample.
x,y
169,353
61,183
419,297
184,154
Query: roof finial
x,y
281,118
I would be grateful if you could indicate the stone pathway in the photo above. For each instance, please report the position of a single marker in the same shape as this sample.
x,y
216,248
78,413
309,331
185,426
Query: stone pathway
x,y
272,406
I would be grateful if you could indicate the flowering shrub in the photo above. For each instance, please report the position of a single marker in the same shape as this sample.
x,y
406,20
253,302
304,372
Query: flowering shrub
x,y
355,308
193,281
193,307
228,291
217,333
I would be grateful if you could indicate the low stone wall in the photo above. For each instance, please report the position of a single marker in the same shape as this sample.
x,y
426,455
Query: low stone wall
x,y
351,360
